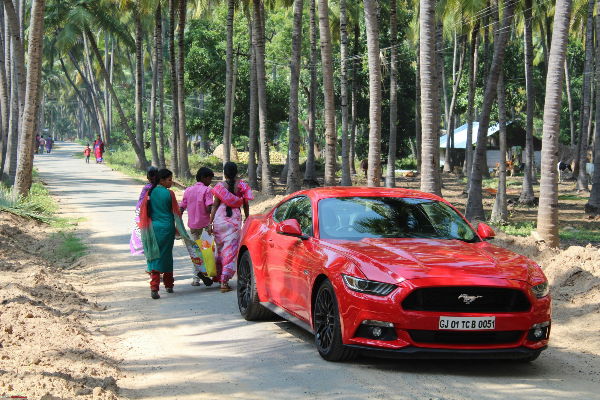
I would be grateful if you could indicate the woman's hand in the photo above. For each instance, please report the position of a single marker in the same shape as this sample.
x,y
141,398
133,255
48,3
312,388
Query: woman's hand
x,y
209,230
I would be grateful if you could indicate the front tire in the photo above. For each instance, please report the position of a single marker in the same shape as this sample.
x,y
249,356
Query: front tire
x,y
247,295
328,330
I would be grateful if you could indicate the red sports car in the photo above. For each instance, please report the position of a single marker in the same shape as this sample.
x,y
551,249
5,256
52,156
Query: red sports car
x,y
391,273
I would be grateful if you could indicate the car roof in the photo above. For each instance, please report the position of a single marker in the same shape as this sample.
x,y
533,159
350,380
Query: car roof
x,y
364,191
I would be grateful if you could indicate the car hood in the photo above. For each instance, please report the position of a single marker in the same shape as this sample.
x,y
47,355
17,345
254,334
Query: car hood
x,y
431,258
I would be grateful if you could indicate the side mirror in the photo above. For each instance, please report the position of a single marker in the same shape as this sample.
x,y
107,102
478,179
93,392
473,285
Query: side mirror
x,y
485,232
290,227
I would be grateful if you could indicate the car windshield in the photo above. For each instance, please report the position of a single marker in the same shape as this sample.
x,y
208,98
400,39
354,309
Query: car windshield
x,y
355,218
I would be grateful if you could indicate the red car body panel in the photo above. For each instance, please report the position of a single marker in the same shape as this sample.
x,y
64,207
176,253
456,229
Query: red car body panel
x,y
287,271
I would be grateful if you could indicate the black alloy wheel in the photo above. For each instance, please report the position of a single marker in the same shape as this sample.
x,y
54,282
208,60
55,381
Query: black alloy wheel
x,y
247,296
328,332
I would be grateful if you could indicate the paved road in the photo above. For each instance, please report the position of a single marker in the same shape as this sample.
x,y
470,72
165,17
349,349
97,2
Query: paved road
x,y
193,344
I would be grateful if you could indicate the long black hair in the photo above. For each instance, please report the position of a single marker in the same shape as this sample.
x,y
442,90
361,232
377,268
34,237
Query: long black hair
x,y
151,173
230,171
162,174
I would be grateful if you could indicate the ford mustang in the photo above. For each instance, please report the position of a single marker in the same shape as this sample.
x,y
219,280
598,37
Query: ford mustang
x,y
391,273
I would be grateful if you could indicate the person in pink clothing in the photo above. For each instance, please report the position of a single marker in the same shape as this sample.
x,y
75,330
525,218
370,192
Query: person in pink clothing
x,y
197,200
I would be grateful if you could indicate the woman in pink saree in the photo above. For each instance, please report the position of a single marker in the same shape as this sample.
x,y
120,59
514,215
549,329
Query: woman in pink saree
x,y
226,222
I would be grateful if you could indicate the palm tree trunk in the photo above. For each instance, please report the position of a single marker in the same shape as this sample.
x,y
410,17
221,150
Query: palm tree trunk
x,y
355,66
311,172
327,69
252,142
259,46
107,61
112,69
161,95
430,178
228,82
390,176
527,197
547,221
582,180
542,39
139,105
18,52
92,88
184,166
4,95
593,204
34,71
138,151
346,180
570,99
232,108
79,95
174,85
157,49
500,210
474,203
450,132
473,63
371,26
293,173
418,139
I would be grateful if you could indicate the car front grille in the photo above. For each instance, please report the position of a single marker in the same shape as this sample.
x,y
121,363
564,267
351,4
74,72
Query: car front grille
x,y
471,299
466,338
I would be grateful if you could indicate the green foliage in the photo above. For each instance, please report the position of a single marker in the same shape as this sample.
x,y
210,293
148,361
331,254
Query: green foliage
x,y
580,235
572,197
38,205
406,163
522,229
70,248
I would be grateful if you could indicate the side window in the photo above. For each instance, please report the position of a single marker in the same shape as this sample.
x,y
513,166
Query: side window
x,y
279,214
301,210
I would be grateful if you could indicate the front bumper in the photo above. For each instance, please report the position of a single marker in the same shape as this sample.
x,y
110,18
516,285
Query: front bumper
x,y
356,308
412,352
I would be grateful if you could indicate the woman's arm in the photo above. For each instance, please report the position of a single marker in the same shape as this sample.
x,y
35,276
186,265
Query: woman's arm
x,y
246,209
213,211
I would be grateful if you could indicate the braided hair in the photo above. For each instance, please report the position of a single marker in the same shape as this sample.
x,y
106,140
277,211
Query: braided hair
x,y
161,174
230,171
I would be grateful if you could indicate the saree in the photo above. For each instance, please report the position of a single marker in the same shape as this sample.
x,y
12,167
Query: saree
x,y
99,150
227,230
135,242
48,145
163,214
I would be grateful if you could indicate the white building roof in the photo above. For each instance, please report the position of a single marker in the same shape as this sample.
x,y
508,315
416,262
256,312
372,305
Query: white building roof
x,y
460,135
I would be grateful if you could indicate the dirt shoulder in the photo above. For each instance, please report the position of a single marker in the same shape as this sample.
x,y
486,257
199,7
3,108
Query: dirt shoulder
x,y
48,348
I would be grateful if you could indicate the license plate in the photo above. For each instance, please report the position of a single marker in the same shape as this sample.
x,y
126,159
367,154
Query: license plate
x,y
467,323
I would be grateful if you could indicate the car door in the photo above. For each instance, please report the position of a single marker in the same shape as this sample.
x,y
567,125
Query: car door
x,y
301,257
275,255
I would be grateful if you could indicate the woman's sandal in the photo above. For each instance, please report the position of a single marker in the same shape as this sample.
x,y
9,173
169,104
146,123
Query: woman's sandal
x,y
225,287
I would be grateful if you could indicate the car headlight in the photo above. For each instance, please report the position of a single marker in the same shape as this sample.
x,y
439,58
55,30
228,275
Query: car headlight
x,y
368,287
541,290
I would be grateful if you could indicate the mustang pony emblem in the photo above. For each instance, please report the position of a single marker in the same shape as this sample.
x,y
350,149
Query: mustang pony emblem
x,y
468,299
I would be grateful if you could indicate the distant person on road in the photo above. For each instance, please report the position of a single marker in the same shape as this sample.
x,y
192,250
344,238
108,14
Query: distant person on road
x,y
197,200
40,143
87,153
135,243
48,144
226,222
99,149
160,220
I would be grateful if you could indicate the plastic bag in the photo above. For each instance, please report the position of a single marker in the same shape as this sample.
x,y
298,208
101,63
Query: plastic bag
x,y
206,244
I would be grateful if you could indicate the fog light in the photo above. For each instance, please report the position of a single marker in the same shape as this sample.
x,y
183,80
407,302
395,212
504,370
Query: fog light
x,y
376,331
538,332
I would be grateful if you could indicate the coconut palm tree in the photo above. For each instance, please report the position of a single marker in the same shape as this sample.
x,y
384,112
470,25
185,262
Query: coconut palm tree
x,y
228,82
174,92
390,176
474,209
293,173
184,165
139,102
547,221
259,46
527,197
252,142
157,53
430,178
346,181
34,73
311,172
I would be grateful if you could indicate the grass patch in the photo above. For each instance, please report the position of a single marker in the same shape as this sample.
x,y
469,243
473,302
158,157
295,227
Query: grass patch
x,y
572,197
78,154
71,247
580,235
522,229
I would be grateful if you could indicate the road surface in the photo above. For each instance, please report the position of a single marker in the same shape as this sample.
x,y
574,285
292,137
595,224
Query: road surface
x,y
193,344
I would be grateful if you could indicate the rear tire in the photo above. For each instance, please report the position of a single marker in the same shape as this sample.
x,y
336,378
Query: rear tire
x,y
328,330
247,295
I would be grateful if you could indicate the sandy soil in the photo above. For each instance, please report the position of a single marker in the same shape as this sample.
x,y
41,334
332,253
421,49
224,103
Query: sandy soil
x,y
48,343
